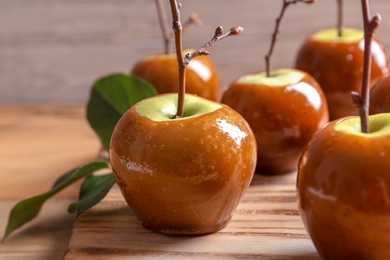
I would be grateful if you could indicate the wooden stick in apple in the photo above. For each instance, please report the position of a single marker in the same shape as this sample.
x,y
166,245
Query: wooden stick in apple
x,y
286,3
283,106
339,18
183,170
339,173
193,19
362,102
184,61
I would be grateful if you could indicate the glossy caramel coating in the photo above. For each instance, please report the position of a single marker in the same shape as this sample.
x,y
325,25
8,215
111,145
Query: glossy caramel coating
x,y
344,196
202,76
380,96
338,68
283,119
183,176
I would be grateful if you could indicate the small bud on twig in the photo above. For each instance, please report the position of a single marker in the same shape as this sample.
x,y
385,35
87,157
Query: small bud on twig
x,y
218,35
356,98
375,22
236,30
192,20
218,31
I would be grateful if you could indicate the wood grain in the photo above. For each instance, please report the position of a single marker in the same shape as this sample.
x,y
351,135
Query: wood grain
x,y
46,237
266,224
51,51
38,144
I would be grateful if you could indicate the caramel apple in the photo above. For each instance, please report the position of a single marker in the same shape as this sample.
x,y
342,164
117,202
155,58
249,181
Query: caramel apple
x,y
283,110
202,77
380,96
343,178
284,107
184,175
334,57
183,162
343,184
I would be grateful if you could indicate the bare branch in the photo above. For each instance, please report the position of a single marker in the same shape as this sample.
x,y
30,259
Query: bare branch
x,y
363,103
286,3
218,35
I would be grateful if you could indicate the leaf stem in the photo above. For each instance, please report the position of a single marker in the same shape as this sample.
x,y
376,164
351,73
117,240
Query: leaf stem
x,y
286,3
362,101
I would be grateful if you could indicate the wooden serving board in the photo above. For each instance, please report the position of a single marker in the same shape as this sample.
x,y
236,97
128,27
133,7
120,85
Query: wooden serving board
x,y
266,224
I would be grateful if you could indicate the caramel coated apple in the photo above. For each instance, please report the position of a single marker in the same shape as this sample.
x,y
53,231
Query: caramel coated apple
x,y
337,64
283,110
185,175
202,76
380,96
344,189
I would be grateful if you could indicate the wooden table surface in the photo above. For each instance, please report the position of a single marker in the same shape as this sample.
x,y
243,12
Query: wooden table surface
x,y
51,51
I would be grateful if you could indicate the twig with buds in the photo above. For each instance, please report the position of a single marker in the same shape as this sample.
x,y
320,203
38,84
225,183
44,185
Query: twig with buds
x,y
167,36
286,3
183,62
362,102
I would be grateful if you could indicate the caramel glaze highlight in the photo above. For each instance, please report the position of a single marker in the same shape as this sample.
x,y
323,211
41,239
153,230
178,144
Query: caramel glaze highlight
x,y
380,96
338,69
344,198
282,119
202,76
191,186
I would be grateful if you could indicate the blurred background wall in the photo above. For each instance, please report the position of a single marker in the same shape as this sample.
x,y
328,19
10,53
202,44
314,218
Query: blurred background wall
x,y
51,51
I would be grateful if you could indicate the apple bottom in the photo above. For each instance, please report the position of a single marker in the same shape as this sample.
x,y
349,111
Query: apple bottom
x,y
281,163
183,176
340,105
346,233
344,196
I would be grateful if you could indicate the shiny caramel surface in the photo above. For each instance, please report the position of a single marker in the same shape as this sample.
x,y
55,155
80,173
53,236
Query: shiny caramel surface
x,y
283,119
202,76
184,176
380,96
338,67
343,194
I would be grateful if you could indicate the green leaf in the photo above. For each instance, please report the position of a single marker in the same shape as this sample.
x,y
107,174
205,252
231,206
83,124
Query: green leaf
x,y
93,190
28,209
110,98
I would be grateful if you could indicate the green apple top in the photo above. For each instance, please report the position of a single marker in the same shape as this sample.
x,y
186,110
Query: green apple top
x,y
164,107
379,126
352,35
288,78
349,35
